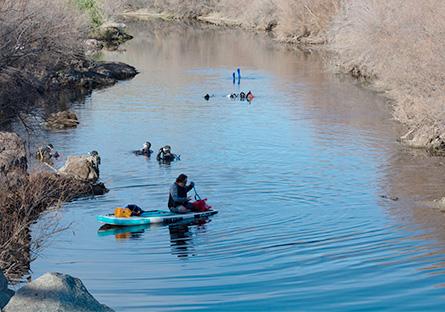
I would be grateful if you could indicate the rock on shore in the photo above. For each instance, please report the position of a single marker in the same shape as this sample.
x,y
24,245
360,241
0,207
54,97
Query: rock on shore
x,y
5,292
55,292
84,168
428,135
62,120
111,34
90,75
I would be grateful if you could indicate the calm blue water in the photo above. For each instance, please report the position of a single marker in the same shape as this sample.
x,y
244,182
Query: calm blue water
x,y
296,176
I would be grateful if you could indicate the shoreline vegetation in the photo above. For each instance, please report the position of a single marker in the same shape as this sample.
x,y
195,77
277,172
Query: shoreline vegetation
x,y
393,46
45,47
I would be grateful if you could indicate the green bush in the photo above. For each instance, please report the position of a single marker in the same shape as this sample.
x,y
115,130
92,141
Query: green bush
x,y
91,7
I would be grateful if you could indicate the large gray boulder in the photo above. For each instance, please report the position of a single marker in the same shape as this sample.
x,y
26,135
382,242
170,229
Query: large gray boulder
x,y
13,162
5,293
85,168
55,292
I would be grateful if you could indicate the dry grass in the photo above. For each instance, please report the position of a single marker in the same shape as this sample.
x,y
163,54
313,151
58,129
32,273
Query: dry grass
x,y
304,21
21,205
37,37
39,33
397,44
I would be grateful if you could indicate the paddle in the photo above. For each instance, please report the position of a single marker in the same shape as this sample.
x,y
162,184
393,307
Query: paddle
x,y
197,197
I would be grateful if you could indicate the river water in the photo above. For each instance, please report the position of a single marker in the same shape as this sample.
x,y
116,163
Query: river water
x,y
297,176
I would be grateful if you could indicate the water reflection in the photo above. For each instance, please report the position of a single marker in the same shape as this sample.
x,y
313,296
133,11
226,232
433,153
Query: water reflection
x,y
123,232
181,234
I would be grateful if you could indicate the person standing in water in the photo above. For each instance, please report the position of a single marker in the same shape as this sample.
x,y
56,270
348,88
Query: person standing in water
x,y
146,151
249,96
47,154
178,202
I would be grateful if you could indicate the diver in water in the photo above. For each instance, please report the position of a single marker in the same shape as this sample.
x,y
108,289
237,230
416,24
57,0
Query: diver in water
x,y
242,96
165,154
94,158
208,96
146,151
249,96
46,154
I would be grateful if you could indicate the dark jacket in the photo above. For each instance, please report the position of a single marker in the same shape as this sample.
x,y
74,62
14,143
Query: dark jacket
x,y
165,156
178,195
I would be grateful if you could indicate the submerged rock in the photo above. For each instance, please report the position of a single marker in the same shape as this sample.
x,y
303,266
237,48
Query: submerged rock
x,y
55,292
13,161
62,120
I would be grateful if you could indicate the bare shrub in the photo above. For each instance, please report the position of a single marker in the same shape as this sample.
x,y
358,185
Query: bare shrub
x,y
305,21
39,33
111,8
177,8
36,37
20,206
397,44
292,20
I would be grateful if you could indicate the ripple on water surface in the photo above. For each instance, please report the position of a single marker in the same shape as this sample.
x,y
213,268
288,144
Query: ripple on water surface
x,y
296,176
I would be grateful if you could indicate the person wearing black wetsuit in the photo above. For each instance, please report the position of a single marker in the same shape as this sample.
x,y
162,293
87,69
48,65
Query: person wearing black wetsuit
x,y
178,202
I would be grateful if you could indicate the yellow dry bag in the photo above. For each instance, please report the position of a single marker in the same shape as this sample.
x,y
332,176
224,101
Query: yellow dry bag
x,y
122,212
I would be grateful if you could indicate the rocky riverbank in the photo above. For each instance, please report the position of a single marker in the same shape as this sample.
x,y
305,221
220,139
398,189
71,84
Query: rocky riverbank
x,y
24,196
89,75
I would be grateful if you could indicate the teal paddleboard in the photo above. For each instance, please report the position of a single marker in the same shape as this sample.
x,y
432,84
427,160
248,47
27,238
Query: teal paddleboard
x,y
155,216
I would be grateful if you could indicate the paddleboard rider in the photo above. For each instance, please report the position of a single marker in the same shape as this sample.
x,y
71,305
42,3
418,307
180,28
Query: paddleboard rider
x,y
178,202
